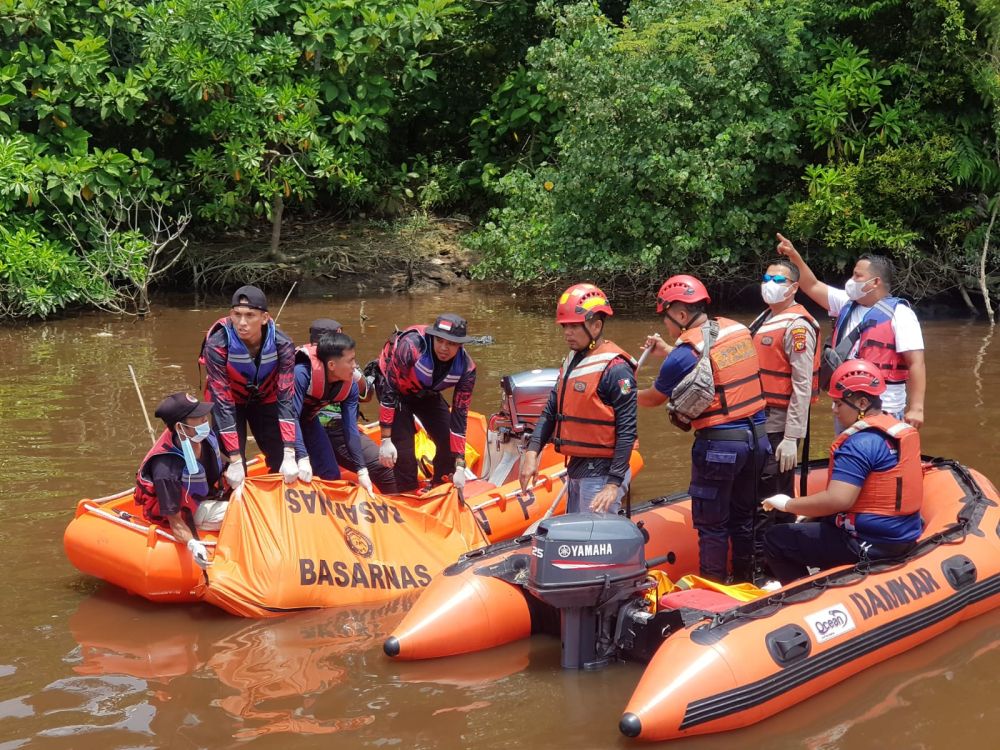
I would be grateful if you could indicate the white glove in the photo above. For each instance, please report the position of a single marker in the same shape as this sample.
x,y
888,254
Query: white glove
x,y
787,454
458,477
776,502
289,469
365,481
199,552
305,470
235,473
387,454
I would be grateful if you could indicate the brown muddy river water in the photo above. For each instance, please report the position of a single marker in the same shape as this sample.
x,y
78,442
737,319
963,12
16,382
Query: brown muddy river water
x,y
84,666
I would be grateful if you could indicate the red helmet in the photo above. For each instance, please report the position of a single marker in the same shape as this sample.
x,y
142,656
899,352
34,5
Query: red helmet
x,y
579,303
682,288
856,376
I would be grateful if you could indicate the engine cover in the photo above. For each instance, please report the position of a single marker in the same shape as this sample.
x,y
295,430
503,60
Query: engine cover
x,y
580,559
525,394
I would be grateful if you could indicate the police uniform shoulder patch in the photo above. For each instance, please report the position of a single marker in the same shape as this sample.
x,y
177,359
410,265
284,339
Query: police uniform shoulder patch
x,y
799,339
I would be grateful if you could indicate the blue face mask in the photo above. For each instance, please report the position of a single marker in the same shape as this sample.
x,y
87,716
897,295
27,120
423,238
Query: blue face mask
x,y
189,460
200,432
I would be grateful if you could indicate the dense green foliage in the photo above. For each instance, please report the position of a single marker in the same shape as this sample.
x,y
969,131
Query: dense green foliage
x,y
609,140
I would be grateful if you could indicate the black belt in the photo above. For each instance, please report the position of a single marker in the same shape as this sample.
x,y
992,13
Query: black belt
x,y
730,433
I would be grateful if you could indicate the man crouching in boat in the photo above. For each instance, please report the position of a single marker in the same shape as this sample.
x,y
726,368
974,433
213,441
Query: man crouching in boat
x,y
181,472
870,508
590,415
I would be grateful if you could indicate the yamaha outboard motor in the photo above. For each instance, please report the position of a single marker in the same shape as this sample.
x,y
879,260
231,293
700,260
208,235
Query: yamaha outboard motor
x,y
587,565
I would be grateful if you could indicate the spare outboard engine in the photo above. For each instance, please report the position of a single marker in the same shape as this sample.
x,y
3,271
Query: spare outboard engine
x,y
587,565
522,400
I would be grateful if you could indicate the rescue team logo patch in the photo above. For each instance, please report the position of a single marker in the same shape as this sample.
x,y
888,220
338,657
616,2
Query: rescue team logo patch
x,y
625,386
358,543
766,340
798,339
830,623
579,387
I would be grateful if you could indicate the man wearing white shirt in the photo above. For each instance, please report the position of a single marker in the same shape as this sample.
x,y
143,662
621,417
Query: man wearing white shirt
x,y
884,329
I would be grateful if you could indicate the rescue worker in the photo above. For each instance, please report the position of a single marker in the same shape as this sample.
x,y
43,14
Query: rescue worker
x,y
417,365
249,378
726,410
182,472
324,375
873,325
786,337
590,415
330,417
870,508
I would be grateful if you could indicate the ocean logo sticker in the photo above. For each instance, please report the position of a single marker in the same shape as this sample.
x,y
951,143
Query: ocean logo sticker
x,y
830,622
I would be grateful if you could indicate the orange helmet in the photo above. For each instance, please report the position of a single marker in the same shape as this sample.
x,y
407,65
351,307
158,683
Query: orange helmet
x,y
682,288
856,376
579,303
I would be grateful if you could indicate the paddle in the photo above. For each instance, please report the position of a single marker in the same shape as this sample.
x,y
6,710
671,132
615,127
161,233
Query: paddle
x,y
142,403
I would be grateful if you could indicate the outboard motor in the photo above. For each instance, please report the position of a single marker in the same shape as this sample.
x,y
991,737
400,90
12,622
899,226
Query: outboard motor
x,y
587,565
522,400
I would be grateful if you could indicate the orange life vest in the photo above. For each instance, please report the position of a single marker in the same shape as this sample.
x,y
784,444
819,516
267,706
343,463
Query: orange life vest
x,y
775,367
898,491
316,397
585,425
736,372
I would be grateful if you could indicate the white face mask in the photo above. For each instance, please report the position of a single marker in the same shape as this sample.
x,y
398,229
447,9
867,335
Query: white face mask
x,y
772,292
855,290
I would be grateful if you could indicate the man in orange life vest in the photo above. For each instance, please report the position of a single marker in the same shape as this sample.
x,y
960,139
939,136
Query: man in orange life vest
x,y
875,326
249,379
590,415
786,337
870,508
730,446
324,375
417,364
181,472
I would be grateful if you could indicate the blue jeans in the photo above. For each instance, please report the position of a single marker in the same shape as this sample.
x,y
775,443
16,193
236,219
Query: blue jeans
x,y
725,483
793,548
580,493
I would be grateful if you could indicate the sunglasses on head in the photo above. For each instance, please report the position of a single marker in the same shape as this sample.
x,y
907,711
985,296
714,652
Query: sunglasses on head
x,y
780,278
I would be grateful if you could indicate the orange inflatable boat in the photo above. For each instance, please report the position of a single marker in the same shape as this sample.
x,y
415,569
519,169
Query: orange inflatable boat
x,y
290,547
715,663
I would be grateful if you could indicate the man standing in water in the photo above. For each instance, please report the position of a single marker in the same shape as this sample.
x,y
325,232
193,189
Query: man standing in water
x,y
416,365
590,415
717,393
874,326
249,378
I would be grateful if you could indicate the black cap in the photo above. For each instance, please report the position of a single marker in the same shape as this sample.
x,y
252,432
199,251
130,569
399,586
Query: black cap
x,y
179,406
323,327
450,327
250,296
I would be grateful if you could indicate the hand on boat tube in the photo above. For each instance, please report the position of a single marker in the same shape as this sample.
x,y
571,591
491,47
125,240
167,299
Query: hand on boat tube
x,y
235,473
305,470
387,453
199,552
776,502
787,454
529,470
289,468
365,481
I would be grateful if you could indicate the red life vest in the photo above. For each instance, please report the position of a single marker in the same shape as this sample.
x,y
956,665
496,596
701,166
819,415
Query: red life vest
x,y
736,373
585,425
898,491
247,381
419,378
769,335
316,396
194,488
877,342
